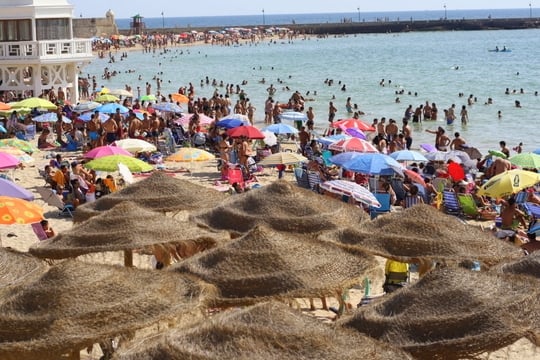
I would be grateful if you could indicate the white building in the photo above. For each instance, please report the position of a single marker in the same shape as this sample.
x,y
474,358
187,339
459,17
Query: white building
x,y
37,48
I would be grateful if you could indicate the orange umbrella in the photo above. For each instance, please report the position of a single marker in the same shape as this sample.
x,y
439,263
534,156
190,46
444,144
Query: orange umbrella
x,y
18,211
180,98
4,106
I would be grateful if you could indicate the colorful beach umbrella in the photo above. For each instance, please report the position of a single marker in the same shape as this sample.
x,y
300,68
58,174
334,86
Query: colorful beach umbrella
x,y
181,98
408,155
121,92
86,106
368,163
352,189
353,144
508,183
19,154
135,145
87,116
186,118
4,106
248,131
497,153
34,102
150,97
106,150
18,211
110,108
282,158
353,123
8,161
230,123
110,164
168,107
281,128
11,189
356,133
414,176
51,117
187,154
526,160
106,98
23,145
327,140
428,147
293,116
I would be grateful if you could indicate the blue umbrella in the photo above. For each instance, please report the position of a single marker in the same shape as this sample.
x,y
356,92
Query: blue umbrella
x,y
281,129
537,151
293,116
368,163
110,108
87,116
9,188
230,123
168,106
331,139
50,117
408,155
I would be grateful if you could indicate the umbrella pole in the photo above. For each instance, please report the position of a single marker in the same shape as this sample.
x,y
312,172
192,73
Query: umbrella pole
x,y
128,258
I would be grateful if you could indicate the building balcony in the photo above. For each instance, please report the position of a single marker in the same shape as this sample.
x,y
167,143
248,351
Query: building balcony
x,y
30,51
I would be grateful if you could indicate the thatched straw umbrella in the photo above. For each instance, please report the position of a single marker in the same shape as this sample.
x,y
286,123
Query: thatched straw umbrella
x,y
453,313
17,268
159,192
75,305
282,206
528,265
265,264
265,331
422,234
123,228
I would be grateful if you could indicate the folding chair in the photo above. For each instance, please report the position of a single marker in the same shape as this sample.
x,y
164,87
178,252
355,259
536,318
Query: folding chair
x,y
52,199
38,230
235,175
470,209
301,176
451,204
384,200
30,132
314,180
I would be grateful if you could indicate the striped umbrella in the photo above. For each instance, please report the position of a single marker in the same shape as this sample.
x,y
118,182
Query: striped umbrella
x,y
352,189
353,144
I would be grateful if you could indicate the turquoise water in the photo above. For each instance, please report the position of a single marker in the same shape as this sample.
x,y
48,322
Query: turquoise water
x,y
424,63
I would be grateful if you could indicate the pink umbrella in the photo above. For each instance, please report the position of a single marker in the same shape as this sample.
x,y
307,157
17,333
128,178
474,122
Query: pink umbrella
x,y
414,176
106,151
8,161
353,144
186,118
353,123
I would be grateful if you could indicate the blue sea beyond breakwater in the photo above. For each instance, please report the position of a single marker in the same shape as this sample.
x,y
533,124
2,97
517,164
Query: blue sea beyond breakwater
x,y
359,16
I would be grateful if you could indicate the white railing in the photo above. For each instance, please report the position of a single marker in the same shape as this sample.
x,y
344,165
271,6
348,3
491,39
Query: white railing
x,y
53,49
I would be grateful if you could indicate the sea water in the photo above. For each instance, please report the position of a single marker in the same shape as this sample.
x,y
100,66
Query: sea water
x,y
432,66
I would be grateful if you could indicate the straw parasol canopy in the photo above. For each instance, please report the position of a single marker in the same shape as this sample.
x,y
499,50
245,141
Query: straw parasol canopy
x,y
453,313
75,305
267,264
424,234
159,192
527,265
17,268
282,206
265,331
126,226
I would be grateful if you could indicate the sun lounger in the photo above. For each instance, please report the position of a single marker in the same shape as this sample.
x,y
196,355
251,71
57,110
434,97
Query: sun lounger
x,y
451,204
469,207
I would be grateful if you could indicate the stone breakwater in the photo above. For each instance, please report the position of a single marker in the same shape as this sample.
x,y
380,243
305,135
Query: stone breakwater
x,y
385,26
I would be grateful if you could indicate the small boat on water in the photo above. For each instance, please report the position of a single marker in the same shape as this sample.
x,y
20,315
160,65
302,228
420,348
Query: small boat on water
x,y
504,49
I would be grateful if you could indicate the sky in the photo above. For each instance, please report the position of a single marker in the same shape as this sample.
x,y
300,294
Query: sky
x,y
179,8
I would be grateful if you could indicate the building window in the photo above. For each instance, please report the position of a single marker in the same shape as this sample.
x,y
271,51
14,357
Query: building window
x,y
52,29
15,30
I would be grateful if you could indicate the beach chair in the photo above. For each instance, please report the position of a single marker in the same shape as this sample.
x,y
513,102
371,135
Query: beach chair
x,y
71,145
52,199
470,209
384,200
301,176
326,155
30,132
451,204
314,180
440,184
235,175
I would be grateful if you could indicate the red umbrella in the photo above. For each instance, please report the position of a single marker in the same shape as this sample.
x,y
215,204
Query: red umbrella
x,y
251,132
353,123
353,144
415,177
455,171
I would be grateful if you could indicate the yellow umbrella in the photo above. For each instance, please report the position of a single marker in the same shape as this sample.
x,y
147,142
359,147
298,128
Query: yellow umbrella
x,y
23,145
106,98
187,154
105,91
34,102
18,211
509,182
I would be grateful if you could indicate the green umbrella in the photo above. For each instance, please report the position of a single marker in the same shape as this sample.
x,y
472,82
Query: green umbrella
x,y
148,98
110,164
526,160
34,102
497,153
19,144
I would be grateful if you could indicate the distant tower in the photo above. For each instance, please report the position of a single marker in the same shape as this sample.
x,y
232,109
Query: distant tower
x,y
37,48
137,25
